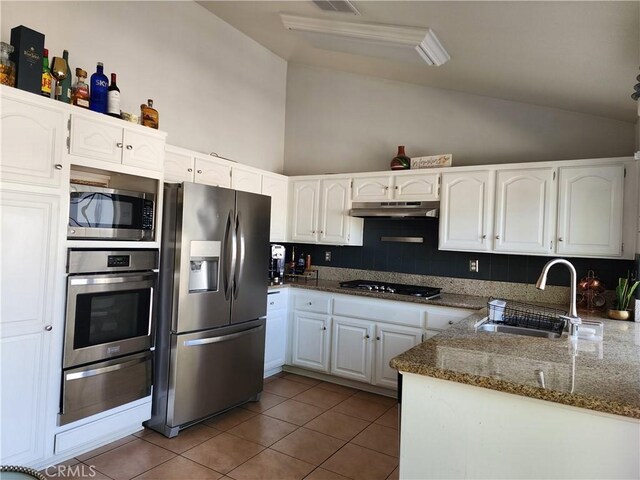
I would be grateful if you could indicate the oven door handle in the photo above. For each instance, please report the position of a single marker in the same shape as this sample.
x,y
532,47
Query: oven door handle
x,y
135,277
224,338
102,370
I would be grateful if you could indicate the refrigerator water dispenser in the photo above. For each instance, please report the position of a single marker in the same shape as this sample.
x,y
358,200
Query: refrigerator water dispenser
x,y
204,261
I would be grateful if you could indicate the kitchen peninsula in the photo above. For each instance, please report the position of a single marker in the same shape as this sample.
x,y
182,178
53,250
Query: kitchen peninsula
x,y
492,405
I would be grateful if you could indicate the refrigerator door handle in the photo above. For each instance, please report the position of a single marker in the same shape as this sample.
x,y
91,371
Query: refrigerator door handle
x,y
229,263
237,280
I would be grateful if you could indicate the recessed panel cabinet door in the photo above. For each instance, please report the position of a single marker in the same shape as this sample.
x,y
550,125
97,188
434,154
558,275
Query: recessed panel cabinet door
x,y
524,210
334,203
141,150
465,211
304,203
178,167
590,210
391,341
416,187
97,140
211,172
32,143
372,189
351,348
246,180
310,343
275,340
277,188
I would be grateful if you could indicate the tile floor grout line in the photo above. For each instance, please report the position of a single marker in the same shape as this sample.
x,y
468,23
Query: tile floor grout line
x,y
161,463
88,465
194,446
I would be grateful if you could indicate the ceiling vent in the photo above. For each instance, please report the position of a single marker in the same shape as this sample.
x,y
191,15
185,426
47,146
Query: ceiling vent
x,y
343,6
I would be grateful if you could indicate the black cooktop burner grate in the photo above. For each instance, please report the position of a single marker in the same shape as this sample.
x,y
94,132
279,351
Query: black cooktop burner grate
x,y
393,288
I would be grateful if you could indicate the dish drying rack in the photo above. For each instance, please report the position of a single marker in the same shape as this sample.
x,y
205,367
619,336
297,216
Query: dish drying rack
x,y
526,315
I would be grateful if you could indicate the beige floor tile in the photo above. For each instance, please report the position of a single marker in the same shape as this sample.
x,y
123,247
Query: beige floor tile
x,y
263,430
322,474
105,448
286,388
130,459
308,445
334,387
321,397
179,468
223,452
361,463
361,408
185,440
230,419
379,438
73,471
143,433
337,425
388,401
395,475
272,465
267,401
301,379
294,412
390,418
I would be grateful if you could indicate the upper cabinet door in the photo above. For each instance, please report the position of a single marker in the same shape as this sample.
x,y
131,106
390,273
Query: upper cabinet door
x,y
178,167
524,210
416,187
142,150
32,143
245,180
277,189
93,139
465,211
334,203
212,172
372,189
590,210
304,208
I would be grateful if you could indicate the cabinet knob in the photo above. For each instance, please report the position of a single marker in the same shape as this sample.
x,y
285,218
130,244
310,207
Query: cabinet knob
x,y
396,187
58,166
129,147
366,336
313,231
272,303
321,232
497,237
324,328
450,322
484,236
310,303
189,170
199,171
559,239
119,144
48,328
377,338
386,188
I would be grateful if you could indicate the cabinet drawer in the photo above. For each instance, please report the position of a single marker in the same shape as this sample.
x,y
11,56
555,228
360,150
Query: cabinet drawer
x,y
441,318
378,310
276,300
312,303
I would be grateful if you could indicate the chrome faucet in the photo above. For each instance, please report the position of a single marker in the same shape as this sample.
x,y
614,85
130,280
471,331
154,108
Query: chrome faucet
x,y
572,318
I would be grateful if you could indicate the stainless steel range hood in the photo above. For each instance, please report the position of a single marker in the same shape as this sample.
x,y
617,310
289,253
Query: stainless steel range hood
x,y
394,209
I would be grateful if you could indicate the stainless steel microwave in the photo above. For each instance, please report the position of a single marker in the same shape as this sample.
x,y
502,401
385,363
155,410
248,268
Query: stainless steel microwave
x,y
110,214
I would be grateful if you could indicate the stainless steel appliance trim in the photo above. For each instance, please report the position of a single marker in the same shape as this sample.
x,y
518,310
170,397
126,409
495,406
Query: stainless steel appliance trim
x,y
110,278
403,239
109,233
225,338
394,209
77,187
100,371
88,261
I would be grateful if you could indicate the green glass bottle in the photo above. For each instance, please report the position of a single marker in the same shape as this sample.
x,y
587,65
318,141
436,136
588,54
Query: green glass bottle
x,y
65,85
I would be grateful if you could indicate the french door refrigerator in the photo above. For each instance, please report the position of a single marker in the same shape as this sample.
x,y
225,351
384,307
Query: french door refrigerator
x,y
213,301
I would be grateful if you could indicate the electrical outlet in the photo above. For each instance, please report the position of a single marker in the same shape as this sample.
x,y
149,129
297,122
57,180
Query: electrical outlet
x,y
474,265
327,256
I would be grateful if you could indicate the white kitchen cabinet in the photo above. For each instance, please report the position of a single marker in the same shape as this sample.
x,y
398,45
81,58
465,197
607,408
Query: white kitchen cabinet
x,y
391,341
351,348
181,165
524,210
108,141
590,210
178,166
245,180
310,342
372,189
209,171
277,187
276,332
305,199
32,142
416,187
465,210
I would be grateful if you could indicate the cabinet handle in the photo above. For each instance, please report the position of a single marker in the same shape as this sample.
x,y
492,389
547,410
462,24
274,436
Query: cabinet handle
x,y
129,147
497,237
48,328
189,170
199,171
58,166
484,236
119,144
559,239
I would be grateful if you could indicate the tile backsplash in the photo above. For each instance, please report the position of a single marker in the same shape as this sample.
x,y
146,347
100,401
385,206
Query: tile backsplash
x,y
426,259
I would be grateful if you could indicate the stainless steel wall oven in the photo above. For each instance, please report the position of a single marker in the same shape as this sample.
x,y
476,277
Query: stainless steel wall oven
x,y
109,327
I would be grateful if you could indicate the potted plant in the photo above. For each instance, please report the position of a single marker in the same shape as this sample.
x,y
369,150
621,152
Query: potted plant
x,y
624,294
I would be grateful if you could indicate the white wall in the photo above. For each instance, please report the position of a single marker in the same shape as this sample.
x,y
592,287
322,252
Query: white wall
x,y
343,122
215,88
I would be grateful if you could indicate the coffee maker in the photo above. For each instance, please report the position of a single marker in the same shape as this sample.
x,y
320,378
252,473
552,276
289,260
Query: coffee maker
x,y
276,264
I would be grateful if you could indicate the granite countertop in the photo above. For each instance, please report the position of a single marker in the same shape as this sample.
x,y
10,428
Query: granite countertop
x,y
606,376
446,299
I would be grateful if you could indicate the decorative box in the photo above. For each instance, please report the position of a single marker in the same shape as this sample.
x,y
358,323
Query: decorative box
x,y
28,47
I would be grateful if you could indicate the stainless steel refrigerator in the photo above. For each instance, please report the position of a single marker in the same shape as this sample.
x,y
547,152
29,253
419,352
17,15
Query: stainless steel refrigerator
x,y
212,306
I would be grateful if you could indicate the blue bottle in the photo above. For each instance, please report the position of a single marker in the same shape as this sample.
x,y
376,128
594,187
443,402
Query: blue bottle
x,y
99,90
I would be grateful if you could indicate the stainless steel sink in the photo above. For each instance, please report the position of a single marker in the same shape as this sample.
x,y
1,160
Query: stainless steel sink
x,y
528,332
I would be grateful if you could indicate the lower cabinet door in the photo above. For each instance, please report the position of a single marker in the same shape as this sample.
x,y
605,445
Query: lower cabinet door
x,y
310,343
391,341
351,348
276,340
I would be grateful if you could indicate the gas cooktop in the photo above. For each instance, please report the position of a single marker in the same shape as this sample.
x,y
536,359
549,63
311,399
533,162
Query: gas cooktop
x,y
395,288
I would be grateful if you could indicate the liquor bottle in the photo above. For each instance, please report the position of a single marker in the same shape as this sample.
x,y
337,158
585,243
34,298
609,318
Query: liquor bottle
x,y
149,115
80,90
99,90
64,86
113,102
401,161
7,67
46,75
